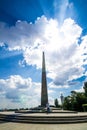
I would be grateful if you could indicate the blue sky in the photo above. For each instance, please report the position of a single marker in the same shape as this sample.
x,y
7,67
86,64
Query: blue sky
x,y
29,27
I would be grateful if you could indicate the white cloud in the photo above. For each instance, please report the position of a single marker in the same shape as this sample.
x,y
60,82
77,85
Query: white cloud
x,y
79,90
16,81
23,34
18,91
65,57
58,85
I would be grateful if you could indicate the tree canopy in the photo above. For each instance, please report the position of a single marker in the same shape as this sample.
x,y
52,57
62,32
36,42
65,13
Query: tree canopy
x,y
76,100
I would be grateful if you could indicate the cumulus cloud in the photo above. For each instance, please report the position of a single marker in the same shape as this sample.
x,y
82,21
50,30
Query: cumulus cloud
x,y
16,89
16,81
23,34
65,56
16,92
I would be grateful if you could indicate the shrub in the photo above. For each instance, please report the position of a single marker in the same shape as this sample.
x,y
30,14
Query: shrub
x,y
84,107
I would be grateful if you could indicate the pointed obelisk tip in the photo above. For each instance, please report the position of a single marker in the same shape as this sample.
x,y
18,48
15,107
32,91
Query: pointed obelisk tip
x,y
43,52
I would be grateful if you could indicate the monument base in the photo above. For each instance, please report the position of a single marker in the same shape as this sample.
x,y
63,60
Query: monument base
x,y
41,109
44,118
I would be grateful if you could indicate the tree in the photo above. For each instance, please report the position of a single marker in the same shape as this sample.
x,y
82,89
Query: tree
x,y
76,100
85,88
81,99
67,103
56,102
73,100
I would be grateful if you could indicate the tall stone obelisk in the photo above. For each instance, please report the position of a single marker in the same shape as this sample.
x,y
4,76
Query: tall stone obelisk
x,y
44,94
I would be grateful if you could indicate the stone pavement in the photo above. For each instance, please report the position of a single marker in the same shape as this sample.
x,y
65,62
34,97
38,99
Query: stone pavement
x,y
29,126
21,126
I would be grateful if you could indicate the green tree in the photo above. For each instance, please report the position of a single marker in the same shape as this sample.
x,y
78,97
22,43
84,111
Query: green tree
x,y
73,100
67,103
56,102
81,99
76,100
85,88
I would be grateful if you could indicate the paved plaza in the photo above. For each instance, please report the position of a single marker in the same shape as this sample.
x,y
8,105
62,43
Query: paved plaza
x,y
21,126
29,126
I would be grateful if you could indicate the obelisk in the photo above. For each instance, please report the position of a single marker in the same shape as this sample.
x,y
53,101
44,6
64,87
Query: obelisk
x,y
44,94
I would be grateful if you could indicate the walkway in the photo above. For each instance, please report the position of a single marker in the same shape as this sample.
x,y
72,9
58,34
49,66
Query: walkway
x,y
21,126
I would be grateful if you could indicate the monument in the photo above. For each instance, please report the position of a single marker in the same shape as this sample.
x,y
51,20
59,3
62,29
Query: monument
x,y
44,93
56,118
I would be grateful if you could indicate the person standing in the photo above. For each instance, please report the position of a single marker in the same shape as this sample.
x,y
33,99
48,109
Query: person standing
x,y
48,107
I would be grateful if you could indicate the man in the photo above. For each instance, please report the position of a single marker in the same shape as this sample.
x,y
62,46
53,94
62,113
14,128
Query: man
x,y
48,107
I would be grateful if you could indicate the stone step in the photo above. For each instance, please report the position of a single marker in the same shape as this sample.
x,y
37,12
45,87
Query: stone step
x,y
50,118
47,121
44,119
52,121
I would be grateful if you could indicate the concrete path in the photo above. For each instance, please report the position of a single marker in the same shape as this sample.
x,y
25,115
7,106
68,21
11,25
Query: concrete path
x,y
21,126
